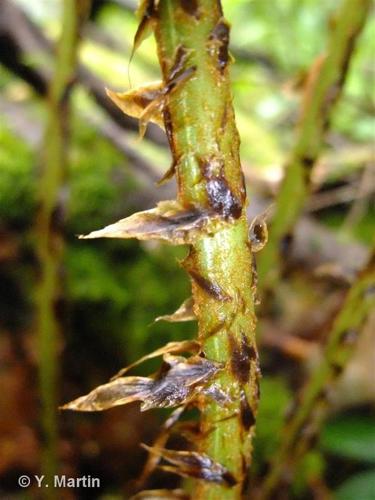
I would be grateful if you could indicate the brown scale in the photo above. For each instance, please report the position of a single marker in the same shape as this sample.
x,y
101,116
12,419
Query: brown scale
x,y
148,8
149,102
210,287
307,163
190,7
246,413
177,74
242,355
254,279
194,464
169,130
216,329
220,197
218,44
166,222
224,119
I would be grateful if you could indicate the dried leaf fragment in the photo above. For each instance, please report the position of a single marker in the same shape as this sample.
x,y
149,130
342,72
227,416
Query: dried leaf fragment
x,y
177,382
191,346
160,441
147,13
144,103
168,221
194,464
184,313
118,392
147,103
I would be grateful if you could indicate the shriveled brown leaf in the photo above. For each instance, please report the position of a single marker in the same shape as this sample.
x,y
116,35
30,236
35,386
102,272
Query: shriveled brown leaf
x,y
118,392
177,382
145,103
160,441
167,222
146,12
192,346
193,464
161,495
183,313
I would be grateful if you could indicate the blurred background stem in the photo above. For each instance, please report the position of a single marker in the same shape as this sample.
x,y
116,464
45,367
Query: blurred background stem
x,y
322,91
303,424
49,224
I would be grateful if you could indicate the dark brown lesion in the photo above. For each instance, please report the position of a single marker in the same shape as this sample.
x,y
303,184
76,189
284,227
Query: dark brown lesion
x,y
246,413
242,355
210,287
178,72
245,478
190,7
220,196
307,163
177,75
218,42
337,369
168,124
254,279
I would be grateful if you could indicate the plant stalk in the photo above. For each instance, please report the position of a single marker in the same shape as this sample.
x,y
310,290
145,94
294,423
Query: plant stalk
x,y
322,91
200,125
310,409
48,229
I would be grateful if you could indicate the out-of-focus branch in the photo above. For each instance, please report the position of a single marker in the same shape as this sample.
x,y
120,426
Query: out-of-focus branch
x,y
21,38
310,407
323,88
48,234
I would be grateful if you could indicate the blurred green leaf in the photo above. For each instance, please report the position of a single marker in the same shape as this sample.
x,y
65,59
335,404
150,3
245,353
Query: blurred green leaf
x,y
350,437
308,469
275,397
359,487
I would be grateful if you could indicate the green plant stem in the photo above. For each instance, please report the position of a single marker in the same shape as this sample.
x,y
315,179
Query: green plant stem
x,y
310,409
323,88
205,145
49,238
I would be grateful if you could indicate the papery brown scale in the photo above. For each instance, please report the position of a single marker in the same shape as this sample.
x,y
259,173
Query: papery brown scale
x,y
148,13
194,464
184,313
167,222
176,383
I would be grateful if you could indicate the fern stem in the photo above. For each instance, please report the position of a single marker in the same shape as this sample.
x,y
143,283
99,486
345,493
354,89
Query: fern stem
x,y
357,305
199,120
48,230
322,91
